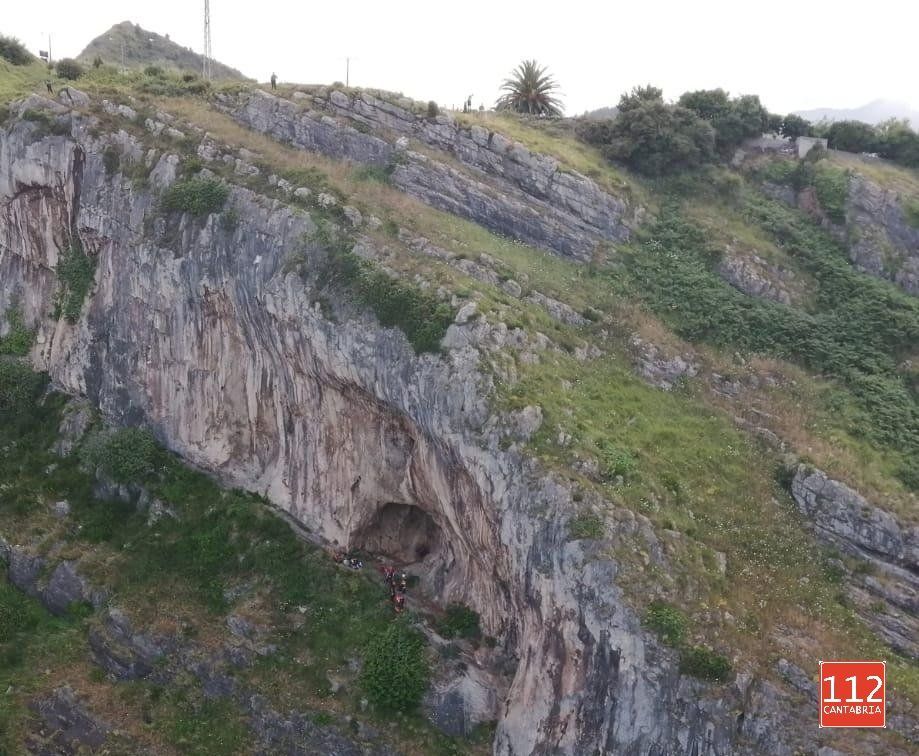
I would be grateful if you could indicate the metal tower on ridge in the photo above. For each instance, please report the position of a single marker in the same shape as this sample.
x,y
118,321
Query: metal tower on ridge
x,y
207,39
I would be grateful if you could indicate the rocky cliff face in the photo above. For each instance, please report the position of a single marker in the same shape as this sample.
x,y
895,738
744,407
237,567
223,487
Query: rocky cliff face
x,y
496,182
881,240
886,588
199,330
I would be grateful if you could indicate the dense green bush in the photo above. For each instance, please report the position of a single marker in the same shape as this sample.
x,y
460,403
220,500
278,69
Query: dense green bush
x,y
460,621
652,137
395,672
68,68
13,51
76,272
197,196
19,386
852,136
18,340
667,621
734,120
422,317
18,614
129,455
794,126
587,525
704,664
433,109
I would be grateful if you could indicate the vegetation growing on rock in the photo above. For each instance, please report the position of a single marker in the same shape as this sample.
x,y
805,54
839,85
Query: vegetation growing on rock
x,y
197,196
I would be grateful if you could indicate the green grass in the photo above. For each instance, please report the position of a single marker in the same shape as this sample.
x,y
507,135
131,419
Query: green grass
x,y
459,621
667,621
911,211
31,641
420,315
18,340
200,726
586,525
76,272
395,673
861,328
197,196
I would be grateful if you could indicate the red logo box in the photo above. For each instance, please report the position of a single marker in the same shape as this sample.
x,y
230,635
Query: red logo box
x,y
852,694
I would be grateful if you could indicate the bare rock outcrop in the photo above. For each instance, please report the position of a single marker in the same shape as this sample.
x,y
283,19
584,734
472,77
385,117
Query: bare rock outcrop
x,y
887,592
881,239
495,182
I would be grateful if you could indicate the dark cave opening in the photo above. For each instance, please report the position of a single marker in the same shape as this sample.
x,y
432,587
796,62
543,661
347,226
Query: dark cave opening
x,y
402,532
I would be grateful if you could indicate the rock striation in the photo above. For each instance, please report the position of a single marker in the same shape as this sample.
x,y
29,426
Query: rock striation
x,y
887,590
479,174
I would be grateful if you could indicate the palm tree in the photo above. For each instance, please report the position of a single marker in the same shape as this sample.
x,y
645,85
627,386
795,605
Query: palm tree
x,y
530,89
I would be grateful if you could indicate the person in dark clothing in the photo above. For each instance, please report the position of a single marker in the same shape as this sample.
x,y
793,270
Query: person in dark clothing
x,y
274,81
48,84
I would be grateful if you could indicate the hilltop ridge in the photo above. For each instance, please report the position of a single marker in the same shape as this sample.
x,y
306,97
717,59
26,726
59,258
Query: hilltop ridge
x,y
146,48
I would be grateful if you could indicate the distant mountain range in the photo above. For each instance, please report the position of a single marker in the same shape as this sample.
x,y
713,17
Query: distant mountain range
x,y
874,112
146,48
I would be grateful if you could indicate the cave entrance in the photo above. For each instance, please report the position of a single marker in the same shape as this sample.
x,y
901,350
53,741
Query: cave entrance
x,y
402,532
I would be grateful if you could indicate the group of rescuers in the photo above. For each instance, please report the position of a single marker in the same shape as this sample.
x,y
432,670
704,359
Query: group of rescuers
x,y
398,583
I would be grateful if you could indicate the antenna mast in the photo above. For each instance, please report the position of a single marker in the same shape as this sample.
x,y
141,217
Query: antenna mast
x,y
207,39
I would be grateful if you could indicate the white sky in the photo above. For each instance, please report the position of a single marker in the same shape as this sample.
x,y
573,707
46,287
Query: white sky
x,y
812,53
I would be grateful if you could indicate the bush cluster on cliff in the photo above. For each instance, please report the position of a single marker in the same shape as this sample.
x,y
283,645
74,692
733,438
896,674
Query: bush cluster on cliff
x,y
197,195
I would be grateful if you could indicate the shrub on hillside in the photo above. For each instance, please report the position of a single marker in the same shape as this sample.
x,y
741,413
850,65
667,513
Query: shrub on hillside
x,y
129,455
705,664
732,119
18,339
395,672
20,386
75,271
68,68
460,622
433,109
667,621
198,196
586,525
421,316
13,51
652,137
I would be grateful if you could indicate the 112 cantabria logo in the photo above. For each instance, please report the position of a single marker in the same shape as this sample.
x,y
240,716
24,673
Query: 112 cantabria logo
x,y
852,694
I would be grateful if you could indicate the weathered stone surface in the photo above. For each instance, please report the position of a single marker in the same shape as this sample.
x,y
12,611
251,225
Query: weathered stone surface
x,y
66,727
65,588
557,310
753,275
657,367
78,416
458,704
881,240
846,520
526,195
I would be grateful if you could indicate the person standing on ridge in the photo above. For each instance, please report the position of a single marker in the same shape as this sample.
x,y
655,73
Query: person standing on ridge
x,y
274,81
48,84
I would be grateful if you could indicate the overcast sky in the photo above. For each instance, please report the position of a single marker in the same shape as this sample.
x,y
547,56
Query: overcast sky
x,y
812,53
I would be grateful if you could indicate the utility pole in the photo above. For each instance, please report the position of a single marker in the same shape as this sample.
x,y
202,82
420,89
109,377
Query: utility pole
x,y
207,39
347,72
